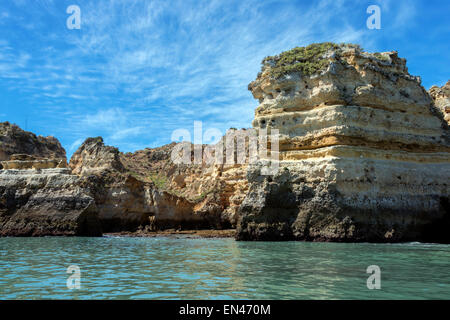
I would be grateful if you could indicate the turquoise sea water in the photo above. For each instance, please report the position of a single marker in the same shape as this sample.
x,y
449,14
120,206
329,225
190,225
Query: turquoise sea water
x,y
183,268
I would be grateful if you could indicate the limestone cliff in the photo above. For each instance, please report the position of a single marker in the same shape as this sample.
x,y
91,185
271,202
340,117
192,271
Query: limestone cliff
x,y
441,97
363,155
38,196
147,189
215,191
45,202
120,198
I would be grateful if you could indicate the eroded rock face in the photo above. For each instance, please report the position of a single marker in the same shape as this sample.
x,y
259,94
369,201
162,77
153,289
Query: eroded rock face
x,y
38,195
147,188
441,97
120,198
29,162
14,140
364,157
93,157
47,202
214,191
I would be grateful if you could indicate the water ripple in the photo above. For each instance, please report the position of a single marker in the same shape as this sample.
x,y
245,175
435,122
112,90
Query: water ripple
x,y
167,268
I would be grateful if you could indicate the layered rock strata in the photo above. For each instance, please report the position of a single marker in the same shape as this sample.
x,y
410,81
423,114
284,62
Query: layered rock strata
x,y
45,202
106,190
147,189
363,155
24,161
120,198
38,195
215,190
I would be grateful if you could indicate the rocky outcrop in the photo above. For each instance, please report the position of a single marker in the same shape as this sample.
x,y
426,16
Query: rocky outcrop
x,y
14,140
106,190
93,157
363,155
45,202
38,195
441,97
147,189
119,197
215,190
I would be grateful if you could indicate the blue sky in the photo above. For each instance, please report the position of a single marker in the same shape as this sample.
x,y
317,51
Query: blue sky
x,y
137,70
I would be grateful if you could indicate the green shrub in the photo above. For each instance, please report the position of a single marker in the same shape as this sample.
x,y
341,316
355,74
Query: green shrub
x,y
381,56
306,60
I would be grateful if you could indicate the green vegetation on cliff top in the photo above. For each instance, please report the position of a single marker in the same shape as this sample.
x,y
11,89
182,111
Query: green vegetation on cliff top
x,y
306,60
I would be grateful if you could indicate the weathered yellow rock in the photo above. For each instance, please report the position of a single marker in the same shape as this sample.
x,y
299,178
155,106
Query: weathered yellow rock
x,y
34,164
441,97
362,152
136,186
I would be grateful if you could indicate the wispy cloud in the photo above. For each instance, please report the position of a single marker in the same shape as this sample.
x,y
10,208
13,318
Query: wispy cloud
x,y
74,146
116,124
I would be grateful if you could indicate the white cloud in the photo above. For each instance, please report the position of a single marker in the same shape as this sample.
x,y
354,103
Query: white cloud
x,y
75,145
108,118
126,133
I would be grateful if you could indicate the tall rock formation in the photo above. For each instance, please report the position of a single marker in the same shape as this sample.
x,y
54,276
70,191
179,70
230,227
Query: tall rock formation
x,y
120,197
363,155
38,195
94,157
